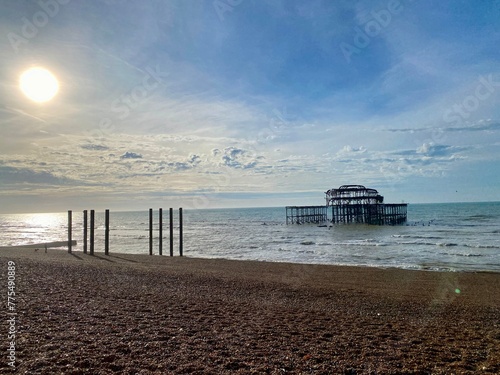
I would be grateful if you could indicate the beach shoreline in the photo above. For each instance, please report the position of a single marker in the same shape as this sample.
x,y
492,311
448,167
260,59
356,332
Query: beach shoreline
x,y
156,314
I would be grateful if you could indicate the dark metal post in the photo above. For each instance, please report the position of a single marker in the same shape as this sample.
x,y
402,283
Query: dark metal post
x,y
85,225
106,233
70,227
150,231
171,217
92,217
160,230
180,232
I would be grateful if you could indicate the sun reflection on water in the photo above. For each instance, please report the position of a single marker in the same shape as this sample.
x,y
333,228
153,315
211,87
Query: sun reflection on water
x,y
34,228
44,220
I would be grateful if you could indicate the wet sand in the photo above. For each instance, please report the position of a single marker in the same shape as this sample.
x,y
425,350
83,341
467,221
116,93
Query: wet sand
x,y
140,314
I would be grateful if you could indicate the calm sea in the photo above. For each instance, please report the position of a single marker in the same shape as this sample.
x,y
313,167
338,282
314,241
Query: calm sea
x,y
453,236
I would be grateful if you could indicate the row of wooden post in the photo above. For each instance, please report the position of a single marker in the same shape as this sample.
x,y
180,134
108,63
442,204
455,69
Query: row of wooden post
x,y
106,232
160,232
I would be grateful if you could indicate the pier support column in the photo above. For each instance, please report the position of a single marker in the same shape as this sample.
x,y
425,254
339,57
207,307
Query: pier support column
x,y
160,231
171,223
106,232
85,224
70,230
150,231
92,225
180,233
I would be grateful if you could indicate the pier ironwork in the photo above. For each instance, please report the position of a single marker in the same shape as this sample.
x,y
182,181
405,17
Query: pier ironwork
x,y
306,214
350,204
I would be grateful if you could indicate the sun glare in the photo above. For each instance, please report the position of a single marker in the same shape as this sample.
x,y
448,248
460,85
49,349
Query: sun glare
x,y
38,84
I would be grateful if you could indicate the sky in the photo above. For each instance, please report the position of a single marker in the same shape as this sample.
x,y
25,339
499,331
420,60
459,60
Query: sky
x,y
240,103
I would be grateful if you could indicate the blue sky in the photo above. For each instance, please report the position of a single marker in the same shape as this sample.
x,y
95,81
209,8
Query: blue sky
x,y
232,103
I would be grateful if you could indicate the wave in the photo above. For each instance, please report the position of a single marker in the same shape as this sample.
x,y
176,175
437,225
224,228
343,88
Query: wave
x,y
282,241
447,244
482,246
462,255
308,243
23,225
470,255
417,243
417,237
475,246
481,217
360,243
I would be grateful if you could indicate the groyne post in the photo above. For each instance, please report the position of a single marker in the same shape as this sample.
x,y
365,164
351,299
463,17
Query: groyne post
x,y
171,219
150,231
85,224
180,232
160,231
106,233
92,224
70,228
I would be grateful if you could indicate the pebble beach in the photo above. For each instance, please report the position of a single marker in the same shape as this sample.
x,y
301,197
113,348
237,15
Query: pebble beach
x,y
141,314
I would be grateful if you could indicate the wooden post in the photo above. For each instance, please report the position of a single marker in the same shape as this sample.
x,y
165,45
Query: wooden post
x,y
85,224
171,218
160,231
150,231
106,233
70,227
180,231
92,217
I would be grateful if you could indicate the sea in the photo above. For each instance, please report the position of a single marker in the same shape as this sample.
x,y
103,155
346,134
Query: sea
x,y
444,237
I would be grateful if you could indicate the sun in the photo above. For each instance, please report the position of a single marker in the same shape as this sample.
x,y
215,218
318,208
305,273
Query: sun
x,y
38,84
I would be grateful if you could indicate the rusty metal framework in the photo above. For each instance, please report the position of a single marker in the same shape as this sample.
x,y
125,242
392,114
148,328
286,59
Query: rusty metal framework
x,y
358,204
306,214
350,204
353,194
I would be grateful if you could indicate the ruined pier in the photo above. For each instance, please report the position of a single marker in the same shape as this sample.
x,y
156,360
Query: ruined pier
x,y
350,204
